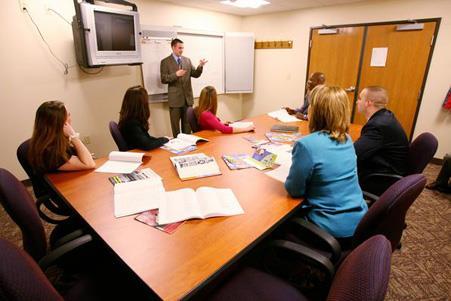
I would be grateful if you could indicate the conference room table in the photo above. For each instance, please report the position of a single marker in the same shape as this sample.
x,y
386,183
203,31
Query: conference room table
x,y
176,266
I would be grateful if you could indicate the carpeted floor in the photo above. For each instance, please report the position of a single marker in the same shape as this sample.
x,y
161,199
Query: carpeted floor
x,y
421,270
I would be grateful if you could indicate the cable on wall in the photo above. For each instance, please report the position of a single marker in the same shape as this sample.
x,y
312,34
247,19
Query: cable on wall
x,y
59,15
65,65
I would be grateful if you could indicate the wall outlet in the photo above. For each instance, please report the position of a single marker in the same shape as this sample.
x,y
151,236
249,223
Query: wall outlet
x,y
23,5
86,140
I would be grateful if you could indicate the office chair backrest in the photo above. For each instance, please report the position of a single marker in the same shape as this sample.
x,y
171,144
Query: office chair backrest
x,y
39,185
387,215
364,273
192,120
117,137
21,208
21,279
421,152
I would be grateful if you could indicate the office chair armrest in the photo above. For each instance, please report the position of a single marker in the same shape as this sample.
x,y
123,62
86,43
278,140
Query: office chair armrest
x,y
62,250
297,264
383,175
46,201
68,237
304,229
369,198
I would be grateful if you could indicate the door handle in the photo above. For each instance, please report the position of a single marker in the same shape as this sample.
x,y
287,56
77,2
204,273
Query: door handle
x,y
350,89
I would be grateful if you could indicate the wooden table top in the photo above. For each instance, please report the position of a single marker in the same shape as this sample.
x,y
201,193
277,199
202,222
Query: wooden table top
x,y
173,265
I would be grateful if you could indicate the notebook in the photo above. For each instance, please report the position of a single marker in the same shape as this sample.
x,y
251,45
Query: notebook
x,y
283,116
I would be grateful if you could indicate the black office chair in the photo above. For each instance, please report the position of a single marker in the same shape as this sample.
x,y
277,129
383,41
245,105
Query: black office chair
x,y
19,204
421,151
363,275
117,137
192,120
21,279
45,196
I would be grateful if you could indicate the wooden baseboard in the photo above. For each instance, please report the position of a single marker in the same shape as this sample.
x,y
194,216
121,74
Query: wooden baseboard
x,y
26,182
437,161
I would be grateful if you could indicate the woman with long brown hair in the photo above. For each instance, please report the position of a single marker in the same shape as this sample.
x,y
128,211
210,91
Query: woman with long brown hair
x,y
55,145
206,114
134,120
324,166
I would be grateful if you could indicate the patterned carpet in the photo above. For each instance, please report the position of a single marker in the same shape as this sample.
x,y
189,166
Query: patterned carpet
x,y
421,270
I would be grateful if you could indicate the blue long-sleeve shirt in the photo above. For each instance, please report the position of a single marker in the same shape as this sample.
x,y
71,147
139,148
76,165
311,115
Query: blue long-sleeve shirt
x,y
325,173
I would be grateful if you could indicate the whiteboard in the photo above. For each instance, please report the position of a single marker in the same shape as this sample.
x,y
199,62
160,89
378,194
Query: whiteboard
x,y
230,66
153,51
209,47
239,62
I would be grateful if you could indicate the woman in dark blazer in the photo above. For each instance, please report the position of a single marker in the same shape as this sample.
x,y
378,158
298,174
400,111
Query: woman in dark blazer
x,y
134,120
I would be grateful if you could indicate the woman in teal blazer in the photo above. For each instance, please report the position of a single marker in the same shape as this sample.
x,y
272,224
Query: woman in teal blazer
x,y
324,168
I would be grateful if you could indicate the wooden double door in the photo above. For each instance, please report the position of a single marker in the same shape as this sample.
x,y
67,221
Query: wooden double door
x,y
352,57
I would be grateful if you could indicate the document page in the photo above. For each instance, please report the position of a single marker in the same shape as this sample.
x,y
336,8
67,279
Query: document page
x,y
218,202
192,139
241,124
280,173
138,196
178,205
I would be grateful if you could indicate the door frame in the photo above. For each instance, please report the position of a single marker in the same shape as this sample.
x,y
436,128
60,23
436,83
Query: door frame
x,y
366,25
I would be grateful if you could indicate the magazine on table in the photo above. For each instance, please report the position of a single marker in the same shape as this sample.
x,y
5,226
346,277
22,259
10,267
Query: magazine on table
x,y
283,137
150,218
195,166
137,175
261,159
236,161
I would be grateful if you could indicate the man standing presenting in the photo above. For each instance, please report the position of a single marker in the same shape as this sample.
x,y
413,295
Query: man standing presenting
x,y
315,79
383,144
176,71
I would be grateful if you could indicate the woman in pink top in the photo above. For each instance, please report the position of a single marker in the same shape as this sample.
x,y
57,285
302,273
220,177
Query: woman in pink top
x,y
206,113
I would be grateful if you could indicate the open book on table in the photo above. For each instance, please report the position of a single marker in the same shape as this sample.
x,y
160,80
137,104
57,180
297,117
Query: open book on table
x,y
283,116
182,143
195,166
203,203
121,162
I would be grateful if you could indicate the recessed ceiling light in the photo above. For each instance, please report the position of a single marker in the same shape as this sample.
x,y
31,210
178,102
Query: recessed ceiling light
x,y
246,3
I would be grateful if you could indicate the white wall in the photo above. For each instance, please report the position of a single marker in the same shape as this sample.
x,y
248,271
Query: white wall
x,y
280,74
29,75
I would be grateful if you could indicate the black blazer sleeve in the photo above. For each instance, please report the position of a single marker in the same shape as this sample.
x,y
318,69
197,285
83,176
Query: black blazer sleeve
x,y
369,143
137,137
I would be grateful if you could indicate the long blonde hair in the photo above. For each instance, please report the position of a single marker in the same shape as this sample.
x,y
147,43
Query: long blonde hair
x,y
208,101
49,145
329,112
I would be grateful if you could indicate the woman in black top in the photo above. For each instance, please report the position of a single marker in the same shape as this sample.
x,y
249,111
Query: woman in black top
x,y
134,120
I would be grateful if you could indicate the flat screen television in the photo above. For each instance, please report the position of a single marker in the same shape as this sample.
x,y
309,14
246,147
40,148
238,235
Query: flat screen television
x,y
106,36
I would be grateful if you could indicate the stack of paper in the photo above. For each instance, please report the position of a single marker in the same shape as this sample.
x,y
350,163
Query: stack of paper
x,y
283,116
121,162
138,196
143,174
